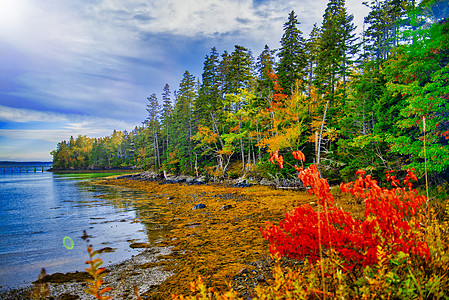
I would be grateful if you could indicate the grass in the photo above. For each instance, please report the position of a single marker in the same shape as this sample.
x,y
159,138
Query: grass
x,y
93,175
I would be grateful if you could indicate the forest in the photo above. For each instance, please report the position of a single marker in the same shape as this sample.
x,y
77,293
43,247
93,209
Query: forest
x,y
376,103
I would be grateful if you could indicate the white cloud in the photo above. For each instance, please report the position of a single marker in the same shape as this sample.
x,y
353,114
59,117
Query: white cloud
x,y
67,125
9,114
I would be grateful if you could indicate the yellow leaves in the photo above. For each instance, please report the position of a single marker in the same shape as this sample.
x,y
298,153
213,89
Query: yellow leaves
x,y
205,136
289,138
235,128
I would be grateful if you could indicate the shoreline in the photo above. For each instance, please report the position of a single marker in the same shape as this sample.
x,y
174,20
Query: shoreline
x,y
220,240
143,270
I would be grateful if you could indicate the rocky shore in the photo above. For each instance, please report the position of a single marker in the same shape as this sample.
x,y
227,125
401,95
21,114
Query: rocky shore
x,y
142,270
214,233
191,180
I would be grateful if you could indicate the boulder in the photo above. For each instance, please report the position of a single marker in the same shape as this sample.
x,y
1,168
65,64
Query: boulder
x,y
241,182
199,206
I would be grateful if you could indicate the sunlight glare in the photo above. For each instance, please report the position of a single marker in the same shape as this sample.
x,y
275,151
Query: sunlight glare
x,y
12,13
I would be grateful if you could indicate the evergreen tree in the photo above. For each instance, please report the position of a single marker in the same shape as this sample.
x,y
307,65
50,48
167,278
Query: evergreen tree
x,y
167,110
292,56
240,77
337,47
183,122
384,23
223,71
312,49
240,66
153,109
265,65
209,100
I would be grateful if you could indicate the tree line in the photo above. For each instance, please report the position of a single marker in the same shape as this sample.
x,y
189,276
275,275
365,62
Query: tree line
x,y
379,102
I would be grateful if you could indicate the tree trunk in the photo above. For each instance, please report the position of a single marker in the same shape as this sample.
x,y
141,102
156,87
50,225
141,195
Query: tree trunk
x,y
320,138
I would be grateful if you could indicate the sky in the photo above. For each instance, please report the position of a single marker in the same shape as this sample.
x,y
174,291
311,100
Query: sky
x,y
87,66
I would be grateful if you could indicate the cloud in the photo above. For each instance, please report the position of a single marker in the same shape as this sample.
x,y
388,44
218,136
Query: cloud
x,y
67,125
9,114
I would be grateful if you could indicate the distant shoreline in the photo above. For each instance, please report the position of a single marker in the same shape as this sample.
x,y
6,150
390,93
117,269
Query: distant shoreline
x,y
99,170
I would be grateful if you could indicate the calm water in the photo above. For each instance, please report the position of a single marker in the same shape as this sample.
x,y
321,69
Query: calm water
x,y
38,210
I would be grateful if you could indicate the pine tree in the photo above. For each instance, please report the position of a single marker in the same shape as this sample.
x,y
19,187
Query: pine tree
x,y
240,68
337,47
223,71
183,122
167,111
265,65
311,50
240,77
209,100
384,23
292,57
153,109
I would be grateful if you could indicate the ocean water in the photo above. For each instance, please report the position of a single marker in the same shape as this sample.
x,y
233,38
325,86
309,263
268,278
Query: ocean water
x,y
41,210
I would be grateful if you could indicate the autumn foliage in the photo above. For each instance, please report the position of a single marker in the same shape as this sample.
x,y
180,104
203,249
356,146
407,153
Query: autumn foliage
x,y
389,222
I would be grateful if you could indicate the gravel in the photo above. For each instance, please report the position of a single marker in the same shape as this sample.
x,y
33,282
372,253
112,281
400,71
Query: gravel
x,y
122,277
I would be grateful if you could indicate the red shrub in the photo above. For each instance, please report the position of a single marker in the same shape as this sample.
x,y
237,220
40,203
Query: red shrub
x,y
388,221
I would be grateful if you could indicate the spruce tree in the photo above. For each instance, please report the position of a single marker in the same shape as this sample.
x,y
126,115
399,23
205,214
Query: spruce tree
x,y
292,57
240,68
265,63
312,49
183,122
153,109
209,100
383,25
167,110
240,77
337,47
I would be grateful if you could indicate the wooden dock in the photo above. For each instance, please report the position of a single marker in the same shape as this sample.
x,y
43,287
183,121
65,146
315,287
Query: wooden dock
x,y
25,168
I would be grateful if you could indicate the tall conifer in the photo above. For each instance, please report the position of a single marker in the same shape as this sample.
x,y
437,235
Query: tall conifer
x,y
209,100
153,109
292,57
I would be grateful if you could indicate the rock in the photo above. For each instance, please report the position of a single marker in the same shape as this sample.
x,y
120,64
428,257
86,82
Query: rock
x,y
68,296
241,182
140,245
62,278
199,181
106,250
150,176
267,182
185,178
226,207
198,206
